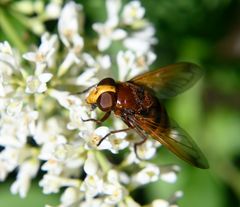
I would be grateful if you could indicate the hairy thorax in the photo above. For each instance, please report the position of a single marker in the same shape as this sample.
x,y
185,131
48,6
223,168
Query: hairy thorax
x,y
132,98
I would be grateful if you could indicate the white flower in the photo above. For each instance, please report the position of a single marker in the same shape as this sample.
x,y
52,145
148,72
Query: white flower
x,y
149,174
8,161
90,165
65,99
27,171
8,58
50,145
3,170
142,40
15,129
161,203
71,196
62,158
9,65
132,12
108,32
113,189
53,9
141,63
5,48
14,107
87,78
113,7
95,69
92,138
37,84
165,203
69,23
44,54
73,56
130,202
92,185
125,61
118,142
77,115
169,173
115,193
98,63
96,202
146,150
52,166
53,183
46,131
69,26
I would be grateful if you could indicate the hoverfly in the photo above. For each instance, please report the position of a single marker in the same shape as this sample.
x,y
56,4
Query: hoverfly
x,y
138,103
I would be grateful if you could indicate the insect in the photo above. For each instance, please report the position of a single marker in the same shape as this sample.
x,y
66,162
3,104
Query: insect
x,y
138,103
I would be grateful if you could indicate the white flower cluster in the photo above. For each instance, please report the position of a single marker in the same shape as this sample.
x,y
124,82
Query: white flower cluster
x,y
42,127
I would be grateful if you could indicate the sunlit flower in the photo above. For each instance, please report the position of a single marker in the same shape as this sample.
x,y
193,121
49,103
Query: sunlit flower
x,y
149,174
147,150
169,173
53,9
53,183
141,41
69,23
170,203
113,189
44,54
125,61
38,84
27,171
108,32
7,57
92,186
132,12
71,196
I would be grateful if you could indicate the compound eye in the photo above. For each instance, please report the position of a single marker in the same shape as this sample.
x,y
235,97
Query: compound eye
x,y
106,101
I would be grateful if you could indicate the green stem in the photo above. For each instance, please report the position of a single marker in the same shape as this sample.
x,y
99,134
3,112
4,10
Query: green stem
x,y
10,32
104,163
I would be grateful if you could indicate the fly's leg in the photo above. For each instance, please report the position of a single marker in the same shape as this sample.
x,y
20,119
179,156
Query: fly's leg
x,y
112,132
144,139
105,116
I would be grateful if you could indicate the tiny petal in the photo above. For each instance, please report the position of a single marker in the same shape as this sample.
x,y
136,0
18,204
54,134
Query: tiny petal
x,y
45,77
160,203
90,166
170,177
148,174
102,131
30,56
119,34
70,196
42,88
104,43
132,12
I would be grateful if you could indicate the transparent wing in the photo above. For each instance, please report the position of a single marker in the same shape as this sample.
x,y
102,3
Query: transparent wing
x,y
170,80
174,138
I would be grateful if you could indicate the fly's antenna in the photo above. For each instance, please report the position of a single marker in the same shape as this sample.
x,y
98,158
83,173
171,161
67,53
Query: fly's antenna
x,y
86,90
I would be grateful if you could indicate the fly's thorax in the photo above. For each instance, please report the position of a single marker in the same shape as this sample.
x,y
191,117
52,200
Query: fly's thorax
x,y
134,97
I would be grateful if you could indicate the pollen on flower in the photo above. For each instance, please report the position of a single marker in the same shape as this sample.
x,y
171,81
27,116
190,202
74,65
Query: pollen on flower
x,y
95,140
39,57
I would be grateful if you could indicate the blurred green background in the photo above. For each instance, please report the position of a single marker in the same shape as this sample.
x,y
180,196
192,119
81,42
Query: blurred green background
x,y
206,32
